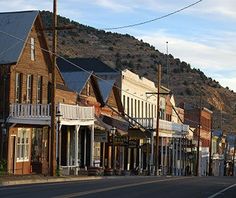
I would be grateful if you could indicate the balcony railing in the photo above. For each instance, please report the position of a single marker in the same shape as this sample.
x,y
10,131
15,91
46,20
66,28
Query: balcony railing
x,y
75,112
30,110
150,123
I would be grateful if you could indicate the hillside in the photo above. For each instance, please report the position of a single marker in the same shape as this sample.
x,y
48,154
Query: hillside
x,y
125,51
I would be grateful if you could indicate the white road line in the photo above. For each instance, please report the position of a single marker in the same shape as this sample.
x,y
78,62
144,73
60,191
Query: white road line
x,y
116,187
223,190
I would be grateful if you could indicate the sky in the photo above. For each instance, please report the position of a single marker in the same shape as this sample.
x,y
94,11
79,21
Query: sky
x,y
203,35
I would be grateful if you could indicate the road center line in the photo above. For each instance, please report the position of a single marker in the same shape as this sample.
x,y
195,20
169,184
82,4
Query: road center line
x,y
116,187
221,191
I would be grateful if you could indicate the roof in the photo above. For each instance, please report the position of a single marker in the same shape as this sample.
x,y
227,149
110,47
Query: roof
x,y
89,64
76,80
14,26
106,88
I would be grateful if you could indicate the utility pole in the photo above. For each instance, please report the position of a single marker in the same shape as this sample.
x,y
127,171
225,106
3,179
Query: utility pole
x,y
233,168
199,136
210,148
158,117
167,66
52,152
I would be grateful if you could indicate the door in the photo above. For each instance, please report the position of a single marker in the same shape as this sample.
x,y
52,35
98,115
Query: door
x,y
12,162
36,160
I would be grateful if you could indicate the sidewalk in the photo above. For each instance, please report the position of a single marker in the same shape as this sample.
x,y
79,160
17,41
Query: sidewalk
x,y
36,179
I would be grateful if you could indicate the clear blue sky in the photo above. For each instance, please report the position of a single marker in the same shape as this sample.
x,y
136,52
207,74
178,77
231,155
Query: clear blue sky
x,y
204,35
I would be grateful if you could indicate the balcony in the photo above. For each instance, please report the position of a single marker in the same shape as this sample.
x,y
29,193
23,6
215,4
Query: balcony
x,y
40,114
29,113
150,123
74,114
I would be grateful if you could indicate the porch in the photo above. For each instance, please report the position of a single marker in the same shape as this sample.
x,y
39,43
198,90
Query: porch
x,y
75,138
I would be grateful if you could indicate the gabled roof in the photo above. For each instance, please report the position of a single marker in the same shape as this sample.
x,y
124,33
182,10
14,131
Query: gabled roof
x,y
76,80
14,26
89,64
106,88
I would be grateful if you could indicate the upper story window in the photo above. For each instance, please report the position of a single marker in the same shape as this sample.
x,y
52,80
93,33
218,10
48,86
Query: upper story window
x,y
128,105
142,109
18,87
124,101
139,109
29,87
132,108
32,49
39,89
88,89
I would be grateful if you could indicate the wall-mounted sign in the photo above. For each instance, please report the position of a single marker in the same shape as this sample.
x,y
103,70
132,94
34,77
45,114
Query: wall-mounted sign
x,y
100,136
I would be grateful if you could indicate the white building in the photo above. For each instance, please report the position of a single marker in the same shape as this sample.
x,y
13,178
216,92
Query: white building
x,y
139,99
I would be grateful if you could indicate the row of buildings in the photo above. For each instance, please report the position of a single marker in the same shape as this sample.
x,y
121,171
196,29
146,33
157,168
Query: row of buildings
x,y
106,119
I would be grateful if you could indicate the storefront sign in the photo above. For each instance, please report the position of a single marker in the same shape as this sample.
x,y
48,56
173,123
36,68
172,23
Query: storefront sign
x,y
119,140
133,143
100,136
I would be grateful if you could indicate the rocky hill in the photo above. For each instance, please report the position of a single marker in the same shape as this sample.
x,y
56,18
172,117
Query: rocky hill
x,y
125,51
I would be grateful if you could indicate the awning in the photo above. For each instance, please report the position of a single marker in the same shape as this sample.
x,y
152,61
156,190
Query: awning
x,y
136,133
120,124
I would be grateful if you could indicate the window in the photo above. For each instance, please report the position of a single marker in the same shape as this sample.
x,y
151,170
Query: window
x,y
149,110
124,101
139,109
32,49
142,109
155,111
152,111
135,108
88,89
22,145
29,84
39,89
132,108
18,87
146,108
128,105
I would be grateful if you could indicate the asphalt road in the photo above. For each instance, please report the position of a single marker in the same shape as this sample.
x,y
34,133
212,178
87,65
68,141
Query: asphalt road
x,y
130,187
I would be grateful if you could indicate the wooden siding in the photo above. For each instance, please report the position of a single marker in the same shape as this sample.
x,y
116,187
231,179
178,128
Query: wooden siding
x,y
67,97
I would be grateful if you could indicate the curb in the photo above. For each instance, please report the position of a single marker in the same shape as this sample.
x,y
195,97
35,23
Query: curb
x,y
57,180
48,180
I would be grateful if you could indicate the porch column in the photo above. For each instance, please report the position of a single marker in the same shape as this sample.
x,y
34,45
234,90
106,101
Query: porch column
x,y
173,156
76,148
152,154
169,157
180,155
162,168
92,146
176,157
166,153
68,148
85,148
128,164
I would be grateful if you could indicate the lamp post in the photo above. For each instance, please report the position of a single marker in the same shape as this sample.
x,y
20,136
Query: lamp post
x,y
113,132
58,140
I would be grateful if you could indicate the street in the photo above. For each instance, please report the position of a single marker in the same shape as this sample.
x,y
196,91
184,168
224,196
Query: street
x,y
129,187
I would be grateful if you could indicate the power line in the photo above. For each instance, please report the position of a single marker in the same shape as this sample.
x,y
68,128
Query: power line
x,y
155,19
91,73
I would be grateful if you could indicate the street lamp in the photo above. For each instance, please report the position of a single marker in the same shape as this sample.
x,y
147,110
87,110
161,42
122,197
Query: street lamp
x,y
113,132
58,116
